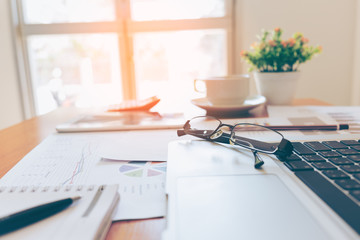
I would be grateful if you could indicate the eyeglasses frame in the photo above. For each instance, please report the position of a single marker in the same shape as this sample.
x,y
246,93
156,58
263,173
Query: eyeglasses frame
x,y
283,149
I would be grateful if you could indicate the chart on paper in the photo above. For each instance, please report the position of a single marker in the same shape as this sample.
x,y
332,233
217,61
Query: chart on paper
x,y
58,160
74,159
78,165
143,169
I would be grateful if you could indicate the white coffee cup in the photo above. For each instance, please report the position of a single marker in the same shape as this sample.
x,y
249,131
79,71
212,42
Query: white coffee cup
x,y
226,90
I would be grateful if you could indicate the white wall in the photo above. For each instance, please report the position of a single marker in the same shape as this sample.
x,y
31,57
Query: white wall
x,y
330,23
356,70
10,99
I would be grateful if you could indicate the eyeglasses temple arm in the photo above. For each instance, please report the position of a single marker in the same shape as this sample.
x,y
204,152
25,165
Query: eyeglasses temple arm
x,y
221,139
284,149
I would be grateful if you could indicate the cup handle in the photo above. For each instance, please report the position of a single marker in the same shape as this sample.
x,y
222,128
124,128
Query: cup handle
x,y
196,86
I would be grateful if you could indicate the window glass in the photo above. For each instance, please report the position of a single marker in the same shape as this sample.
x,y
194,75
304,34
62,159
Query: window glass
x,y
64,11
146,10
81,70
167,63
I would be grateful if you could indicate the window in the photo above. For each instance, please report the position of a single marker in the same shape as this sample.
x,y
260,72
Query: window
x,y
98,52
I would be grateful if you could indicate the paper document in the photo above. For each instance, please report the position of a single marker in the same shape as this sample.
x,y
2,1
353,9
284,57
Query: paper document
x,y
116,121
69,159
136,145
319,115
305,115
343,114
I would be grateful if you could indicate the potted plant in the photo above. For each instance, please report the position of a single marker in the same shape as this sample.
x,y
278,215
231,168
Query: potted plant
x,y
276,62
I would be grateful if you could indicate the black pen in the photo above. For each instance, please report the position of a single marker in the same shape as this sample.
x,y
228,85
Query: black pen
x,y
32,215
334,127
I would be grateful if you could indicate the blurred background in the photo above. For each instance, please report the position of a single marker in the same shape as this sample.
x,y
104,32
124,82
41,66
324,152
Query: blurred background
x,y
92,53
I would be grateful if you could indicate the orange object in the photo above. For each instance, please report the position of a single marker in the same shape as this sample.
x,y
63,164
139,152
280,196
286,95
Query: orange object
x,y
135,105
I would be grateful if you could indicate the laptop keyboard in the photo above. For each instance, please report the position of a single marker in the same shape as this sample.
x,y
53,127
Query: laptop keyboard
x,y
332,170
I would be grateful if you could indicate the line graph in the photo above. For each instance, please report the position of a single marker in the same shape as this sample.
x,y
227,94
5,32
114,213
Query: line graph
x,y
79,165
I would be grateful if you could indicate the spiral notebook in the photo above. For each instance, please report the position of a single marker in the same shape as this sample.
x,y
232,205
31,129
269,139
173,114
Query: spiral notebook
x,y
88,218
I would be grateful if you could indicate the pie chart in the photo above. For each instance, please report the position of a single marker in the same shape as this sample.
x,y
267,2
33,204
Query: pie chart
x,y
143,169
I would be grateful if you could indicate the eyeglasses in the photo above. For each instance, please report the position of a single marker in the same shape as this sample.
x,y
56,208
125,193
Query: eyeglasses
x,y
254,137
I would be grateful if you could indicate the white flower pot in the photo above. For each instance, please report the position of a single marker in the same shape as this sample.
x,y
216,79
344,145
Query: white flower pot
x,y
278,87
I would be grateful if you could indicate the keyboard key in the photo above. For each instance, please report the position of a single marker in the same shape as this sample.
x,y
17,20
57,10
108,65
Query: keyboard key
x,y
335,174
356,147
292,157
351,168
324,166
355,158
348,151
348,184
317,146
357,176
334,197
350,142
301,149
356,194
335,144
314,158
298,166
341,161
329,154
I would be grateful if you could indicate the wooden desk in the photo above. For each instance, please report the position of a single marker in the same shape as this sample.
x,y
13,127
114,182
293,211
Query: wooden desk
x,y
18,140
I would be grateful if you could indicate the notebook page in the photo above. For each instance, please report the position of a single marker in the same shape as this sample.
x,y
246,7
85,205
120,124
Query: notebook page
x,y
70,223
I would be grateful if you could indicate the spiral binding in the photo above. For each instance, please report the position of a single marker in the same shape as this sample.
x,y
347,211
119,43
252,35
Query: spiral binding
x,y
23,189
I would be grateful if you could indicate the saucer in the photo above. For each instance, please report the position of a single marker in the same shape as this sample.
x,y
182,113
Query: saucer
x,y
250,103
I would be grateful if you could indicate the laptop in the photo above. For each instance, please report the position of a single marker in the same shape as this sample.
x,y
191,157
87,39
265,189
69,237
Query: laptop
x,y
214,191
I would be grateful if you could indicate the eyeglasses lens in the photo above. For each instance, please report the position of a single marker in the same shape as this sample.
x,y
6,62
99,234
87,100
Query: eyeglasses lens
x,y
204,126
255,137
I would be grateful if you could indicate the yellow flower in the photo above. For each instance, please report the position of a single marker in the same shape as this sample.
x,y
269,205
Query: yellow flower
x,y
298,35
254,45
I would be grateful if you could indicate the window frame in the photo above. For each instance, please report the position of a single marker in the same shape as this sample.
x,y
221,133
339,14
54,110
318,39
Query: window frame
x,y
124,27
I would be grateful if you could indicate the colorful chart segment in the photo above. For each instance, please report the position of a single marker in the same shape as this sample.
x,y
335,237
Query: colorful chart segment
x,y
143,169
